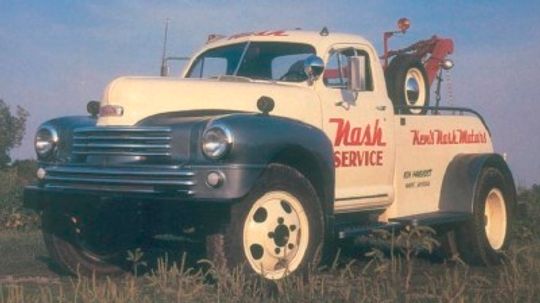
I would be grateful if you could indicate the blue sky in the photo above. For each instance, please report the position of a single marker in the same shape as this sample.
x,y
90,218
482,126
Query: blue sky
x,y
57,55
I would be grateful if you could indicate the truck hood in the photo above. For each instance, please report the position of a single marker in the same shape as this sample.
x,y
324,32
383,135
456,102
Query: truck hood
x,y
141,97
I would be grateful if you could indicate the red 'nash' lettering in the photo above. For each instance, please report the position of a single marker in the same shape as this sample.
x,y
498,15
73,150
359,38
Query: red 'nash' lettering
x,y
280,33
368,135
357,136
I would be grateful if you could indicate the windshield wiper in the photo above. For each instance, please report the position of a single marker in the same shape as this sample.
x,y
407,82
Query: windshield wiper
x,y
241,58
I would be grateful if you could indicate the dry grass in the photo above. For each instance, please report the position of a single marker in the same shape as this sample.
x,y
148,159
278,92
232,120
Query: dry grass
x,y
376,279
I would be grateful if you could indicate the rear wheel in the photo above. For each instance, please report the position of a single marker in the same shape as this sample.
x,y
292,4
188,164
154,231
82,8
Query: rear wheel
x,y
277,229
407,84
483,239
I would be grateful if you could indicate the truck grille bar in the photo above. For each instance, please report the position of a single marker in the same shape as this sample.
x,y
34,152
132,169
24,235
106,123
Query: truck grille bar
x,y
166,179
122,141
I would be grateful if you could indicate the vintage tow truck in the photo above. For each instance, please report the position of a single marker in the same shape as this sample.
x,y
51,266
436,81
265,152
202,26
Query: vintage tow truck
x,y
269,147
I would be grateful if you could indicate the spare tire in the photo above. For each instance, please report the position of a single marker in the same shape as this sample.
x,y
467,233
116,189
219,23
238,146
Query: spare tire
x,y
407,84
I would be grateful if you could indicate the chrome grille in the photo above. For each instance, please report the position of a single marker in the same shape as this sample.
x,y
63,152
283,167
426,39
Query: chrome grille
x,y
122,141
147,179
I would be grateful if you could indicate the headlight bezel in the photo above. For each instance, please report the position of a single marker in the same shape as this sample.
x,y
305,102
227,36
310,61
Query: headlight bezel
x,y
216,142
45,148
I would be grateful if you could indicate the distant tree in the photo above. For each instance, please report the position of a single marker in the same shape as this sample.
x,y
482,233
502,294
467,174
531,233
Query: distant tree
x,y
12,128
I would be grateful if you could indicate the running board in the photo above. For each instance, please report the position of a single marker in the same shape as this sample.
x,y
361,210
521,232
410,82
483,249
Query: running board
x,y
434,218
427,219
356,231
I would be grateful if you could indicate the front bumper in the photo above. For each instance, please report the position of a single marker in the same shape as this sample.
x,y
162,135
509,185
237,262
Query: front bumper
x,y
159,182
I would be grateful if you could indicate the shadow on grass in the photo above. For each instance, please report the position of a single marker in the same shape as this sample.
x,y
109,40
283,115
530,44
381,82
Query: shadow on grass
x,y
53,266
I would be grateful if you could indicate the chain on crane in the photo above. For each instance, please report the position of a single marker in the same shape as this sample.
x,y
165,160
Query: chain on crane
x,y
449,90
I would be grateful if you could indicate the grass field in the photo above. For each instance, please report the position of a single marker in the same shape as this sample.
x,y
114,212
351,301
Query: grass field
x,y
27,275
359,274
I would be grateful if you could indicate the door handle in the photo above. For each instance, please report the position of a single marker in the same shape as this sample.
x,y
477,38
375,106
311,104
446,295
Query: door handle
x,y
381,107
343,104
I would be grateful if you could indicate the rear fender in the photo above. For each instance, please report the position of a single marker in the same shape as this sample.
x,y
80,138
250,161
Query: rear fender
x,y
461,180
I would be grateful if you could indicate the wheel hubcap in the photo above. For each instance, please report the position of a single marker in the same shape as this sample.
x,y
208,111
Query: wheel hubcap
x,y
495,218
276,234
412,90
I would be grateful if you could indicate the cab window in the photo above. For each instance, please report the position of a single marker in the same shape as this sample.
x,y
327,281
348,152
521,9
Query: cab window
x,y
271,61
336,74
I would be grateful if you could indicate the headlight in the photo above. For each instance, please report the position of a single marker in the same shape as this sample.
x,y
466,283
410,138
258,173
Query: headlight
x,y
46,141
216,142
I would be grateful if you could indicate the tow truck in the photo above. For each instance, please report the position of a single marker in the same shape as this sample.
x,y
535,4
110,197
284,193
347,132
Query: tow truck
x,y
267,148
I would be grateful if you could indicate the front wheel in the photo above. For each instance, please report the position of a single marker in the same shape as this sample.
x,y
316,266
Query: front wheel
x,y
277,229
87,245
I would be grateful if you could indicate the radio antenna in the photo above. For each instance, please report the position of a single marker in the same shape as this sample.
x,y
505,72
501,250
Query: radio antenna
x,y
164,68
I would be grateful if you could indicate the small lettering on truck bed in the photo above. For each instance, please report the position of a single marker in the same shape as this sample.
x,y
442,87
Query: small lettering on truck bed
x,y
439,137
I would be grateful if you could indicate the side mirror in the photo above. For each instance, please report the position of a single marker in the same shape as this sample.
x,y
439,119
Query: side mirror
x,y
313,67
357,76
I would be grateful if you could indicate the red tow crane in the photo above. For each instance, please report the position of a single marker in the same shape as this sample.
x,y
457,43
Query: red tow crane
x,y
432,52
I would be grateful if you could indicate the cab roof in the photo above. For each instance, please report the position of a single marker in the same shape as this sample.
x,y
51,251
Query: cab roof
x,y
320,41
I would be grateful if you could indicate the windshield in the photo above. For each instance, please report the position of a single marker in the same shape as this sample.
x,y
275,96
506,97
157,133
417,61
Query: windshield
x,y
276,61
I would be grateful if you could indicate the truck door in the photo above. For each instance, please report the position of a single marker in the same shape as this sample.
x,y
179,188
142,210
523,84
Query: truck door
x,y
360,125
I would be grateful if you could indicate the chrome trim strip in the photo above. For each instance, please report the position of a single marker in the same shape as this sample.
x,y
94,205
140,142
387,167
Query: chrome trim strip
x,y
121,153
159,167
119,190
120,145
120,181
362,197
122,172
125,129
163,138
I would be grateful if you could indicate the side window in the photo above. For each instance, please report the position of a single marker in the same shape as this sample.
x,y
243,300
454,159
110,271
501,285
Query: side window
x,y
336,74
210,67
